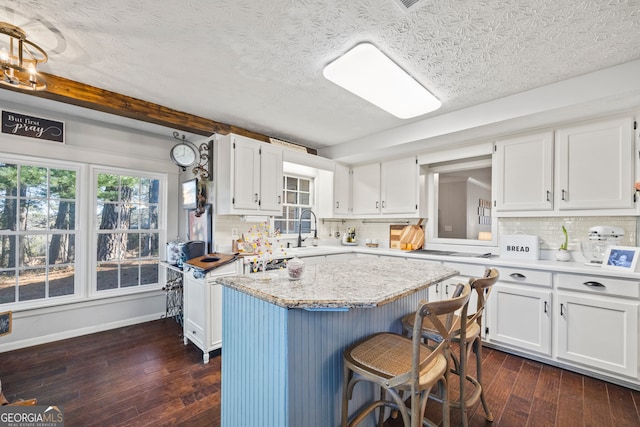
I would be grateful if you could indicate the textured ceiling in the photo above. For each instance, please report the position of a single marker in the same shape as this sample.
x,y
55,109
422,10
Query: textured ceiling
x,y
258,64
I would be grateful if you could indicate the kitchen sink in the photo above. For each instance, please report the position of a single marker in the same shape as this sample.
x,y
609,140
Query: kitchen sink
x,y
453,253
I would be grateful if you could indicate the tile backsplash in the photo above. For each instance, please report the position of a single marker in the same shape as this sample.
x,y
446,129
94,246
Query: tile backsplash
x,y
549,229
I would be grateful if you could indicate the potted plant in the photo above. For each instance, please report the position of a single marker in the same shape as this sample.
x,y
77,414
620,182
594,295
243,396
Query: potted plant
x,y
563,254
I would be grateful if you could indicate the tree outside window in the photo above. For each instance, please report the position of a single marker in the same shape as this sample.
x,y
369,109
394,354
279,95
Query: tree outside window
x,y
127,213
37,232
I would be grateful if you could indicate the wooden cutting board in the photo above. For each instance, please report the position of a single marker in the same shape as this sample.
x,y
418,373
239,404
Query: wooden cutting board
x,y
412,237
394,235
211,261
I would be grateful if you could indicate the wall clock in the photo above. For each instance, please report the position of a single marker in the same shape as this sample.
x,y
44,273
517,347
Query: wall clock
x,y
185,154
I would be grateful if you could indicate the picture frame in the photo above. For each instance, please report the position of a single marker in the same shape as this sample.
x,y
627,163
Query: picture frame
x,y
5,323
200,226
623,258
190,194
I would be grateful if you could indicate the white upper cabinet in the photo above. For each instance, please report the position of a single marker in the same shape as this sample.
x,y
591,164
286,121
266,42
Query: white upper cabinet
x,y
365,191
248,177
271,179
587,168
341,190
524,173
595,165
387,188
399,186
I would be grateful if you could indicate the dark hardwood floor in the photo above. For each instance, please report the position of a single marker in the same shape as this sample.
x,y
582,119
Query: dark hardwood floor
x,y
142,375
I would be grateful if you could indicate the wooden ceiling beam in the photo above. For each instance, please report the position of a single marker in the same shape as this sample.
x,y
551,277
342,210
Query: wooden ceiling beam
x,y
91,97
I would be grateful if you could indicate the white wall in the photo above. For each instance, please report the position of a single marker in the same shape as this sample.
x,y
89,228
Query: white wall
x,y
98,139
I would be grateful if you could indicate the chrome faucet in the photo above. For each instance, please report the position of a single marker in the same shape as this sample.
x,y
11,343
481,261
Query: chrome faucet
x,y
315,226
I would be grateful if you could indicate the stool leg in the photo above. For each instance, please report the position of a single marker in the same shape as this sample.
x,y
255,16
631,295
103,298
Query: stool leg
x,y
346,377
478,350
462,374
383,396
446,413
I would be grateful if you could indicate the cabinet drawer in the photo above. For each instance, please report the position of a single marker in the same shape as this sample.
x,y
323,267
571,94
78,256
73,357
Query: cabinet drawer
x,y
194,332
469,270
599,285
230,269
527,277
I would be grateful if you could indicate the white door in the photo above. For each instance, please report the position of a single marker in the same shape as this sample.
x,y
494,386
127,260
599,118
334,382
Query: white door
x,y
520,317
599,332
399,186
595,164
341,190
246,177
215,304
270,179
194,311
524,173
366,189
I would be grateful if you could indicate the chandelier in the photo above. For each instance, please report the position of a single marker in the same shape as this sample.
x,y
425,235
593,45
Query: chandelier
x,y
19,59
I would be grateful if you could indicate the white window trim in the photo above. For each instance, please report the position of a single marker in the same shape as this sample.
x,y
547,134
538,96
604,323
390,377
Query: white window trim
x,y
93,241
80,255
312,200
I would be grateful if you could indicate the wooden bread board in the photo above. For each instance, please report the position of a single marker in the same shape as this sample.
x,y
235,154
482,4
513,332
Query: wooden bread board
x,y
412,237
394,235
211,261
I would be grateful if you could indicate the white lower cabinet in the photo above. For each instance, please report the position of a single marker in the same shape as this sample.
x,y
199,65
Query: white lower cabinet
x,y
519,310
596,328
203,309
520,316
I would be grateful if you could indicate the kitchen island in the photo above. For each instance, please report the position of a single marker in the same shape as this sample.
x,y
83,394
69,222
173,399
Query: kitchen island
x,y
283,340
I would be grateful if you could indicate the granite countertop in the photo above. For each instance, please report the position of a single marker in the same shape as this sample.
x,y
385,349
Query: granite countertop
x,y
355,283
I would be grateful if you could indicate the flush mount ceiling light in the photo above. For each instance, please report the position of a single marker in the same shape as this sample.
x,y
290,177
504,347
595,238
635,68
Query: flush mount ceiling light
x,y
19,59
368,73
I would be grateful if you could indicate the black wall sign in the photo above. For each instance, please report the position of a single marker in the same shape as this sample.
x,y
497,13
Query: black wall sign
x,y
32,127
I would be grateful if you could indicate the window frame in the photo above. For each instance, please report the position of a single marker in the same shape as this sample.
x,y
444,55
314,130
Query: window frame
x,y
92,262
311,205
79,226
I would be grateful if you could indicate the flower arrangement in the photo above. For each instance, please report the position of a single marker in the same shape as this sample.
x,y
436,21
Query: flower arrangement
x,y
265,243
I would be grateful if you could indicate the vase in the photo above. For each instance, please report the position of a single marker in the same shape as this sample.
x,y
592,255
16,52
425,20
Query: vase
x,y
563,255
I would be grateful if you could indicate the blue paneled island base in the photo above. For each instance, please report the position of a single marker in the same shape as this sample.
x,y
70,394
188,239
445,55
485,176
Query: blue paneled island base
x,y
282,366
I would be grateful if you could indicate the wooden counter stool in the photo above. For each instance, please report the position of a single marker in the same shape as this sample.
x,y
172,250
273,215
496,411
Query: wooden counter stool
x,y
401,364
471,340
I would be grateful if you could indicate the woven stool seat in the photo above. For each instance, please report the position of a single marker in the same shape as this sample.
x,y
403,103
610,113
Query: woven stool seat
x,y
390,355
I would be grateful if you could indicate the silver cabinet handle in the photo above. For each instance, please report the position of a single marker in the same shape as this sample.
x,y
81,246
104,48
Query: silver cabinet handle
x,y
594,284
545,307
517,276
564,195
255,197
561,309
383,204
338,205
377,205
279,199
548,196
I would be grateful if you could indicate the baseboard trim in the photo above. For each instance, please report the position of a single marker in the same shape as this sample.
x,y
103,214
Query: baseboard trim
x,y
78,332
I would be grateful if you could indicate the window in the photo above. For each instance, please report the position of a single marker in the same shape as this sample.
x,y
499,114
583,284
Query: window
x,y
297,197
128,233
37,232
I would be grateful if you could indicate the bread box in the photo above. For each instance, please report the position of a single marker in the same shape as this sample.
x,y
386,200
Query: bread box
x,y
520,246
